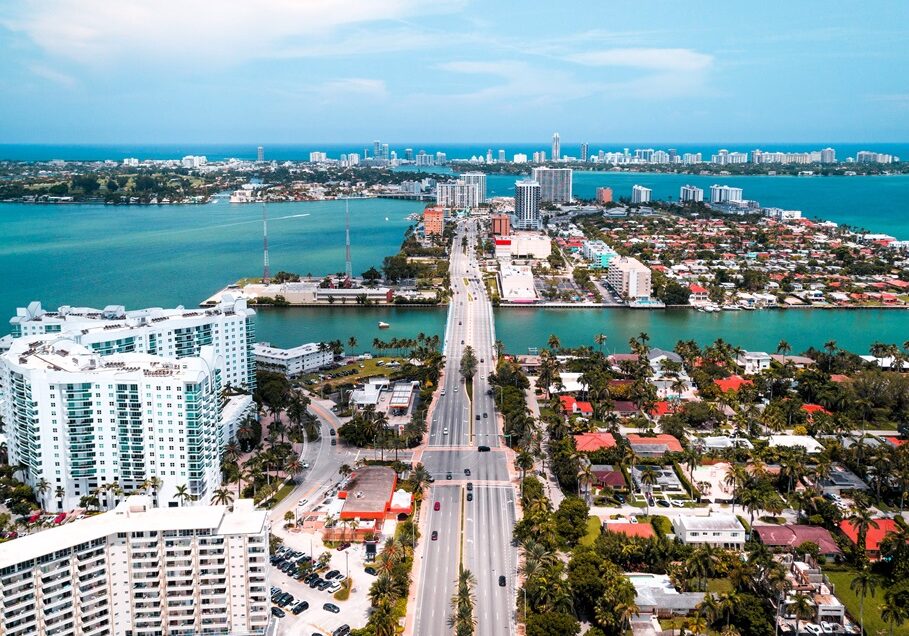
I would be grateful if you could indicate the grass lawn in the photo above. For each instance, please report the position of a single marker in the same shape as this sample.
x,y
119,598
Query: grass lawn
x,y
719,586
873,622
593,531
370,368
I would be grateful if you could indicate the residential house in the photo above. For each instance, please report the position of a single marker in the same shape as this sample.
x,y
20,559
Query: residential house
x,y
720,531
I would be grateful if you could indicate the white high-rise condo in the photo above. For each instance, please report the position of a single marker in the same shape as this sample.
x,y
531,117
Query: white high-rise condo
x,y
640,194
556,148
78,421
479,180
458,194
690,194
725,194
527,205
555,184
140,571
229,327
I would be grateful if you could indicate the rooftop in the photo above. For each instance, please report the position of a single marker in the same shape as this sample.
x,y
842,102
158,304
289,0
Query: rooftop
x,y
369,491
713,523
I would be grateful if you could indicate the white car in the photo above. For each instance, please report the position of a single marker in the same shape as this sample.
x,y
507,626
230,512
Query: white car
x,y
443,391
445,431
676,503
305,465
302,502
334,587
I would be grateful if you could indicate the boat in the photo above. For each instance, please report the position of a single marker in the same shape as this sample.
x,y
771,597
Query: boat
x,y
731,307
383,325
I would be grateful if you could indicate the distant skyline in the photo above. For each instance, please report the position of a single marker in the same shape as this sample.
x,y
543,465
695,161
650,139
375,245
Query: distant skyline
x,y
273,71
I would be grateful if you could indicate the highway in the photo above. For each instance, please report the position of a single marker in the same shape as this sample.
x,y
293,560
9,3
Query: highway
x,y
477,531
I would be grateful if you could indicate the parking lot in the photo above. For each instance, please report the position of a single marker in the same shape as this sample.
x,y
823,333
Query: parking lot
x,y
308,600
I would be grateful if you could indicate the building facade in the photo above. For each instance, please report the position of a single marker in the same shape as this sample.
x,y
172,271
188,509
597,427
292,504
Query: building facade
x,y
719,531
691,194
527,205
81,421
433,221
629,277
140,571
501,224
598,253
477,179
296,361
604,195
725,194
229,327
556,147
640,194
457,194
555,184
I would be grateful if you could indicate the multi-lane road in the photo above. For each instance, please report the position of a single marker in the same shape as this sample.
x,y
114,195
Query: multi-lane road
x,y
476,533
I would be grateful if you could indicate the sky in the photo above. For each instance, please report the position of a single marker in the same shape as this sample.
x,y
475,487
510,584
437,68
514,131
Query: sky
x,y
301,71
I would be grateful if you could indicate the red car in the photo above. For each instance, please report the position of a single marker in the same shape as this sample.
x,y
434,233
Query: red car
x,y
437,506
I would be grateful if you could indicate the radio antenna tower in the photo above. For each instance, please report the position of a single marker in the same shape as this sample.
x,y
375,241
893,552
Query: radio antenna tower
x,y
266,272
348,269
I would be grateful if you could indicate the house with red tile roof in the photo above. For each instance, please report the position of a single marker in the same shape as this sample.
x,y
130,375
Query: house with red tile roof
x,y
607,475
814,409
732,383
592,442
661,408
655,446
792,536
873,538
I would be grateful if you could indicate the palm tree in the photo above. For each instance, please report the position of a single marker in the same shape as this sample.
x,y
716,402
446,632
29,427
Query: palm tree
x,y
222,497
42,487
893,610
293,468
783,348
862,520
648,478
352,342
600,340
864,583
586,478
802,607
525,462
183,495
60,494
554,343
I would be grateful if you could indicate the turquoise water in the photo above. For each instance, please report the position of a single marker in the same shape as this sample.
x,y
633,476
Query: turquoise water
x,y
880,204
167,255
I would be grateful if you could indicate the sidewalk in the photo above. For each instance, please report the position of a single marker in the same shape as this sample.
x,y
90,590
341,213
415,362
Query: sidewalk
x,y
550,483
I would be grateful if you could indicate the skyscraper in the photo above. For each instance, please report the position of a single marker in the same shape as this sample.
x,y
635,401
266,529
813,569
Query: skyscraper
x,y
691,194
377,149
584,150
408,154
479,180
502,158
555,184
640,194
527,204
260,154
489,155
556,147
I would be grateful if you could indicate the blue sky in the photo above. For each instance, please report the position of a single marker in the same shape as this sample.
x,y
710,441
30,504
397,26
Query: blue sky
x,y
294,71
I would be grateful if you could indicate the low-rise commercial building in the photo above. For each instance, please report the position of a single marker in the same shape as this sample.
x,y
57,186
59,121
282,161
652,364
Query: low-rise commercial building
x,y
142,571
295,361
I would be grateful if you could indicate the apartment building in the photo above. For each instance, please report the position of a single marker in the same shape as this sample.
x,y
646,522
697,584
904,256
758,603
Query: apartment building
x,y
80,420
598,253
640,194
229,327
719,531
477,179
433,221
629,277
295,361
457,194
555,184
140,571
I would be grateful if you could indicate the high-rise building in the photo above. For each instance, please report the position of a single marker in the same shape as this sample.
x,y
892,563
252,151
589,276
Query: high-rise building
x,y
520,157
424,159
441,158
555,184
385,154
142,571
501,224
502,158
556,147
317,157
433,221
377,149
489,155
353,159
260,154
725,194
408,154
630,278
527,205
228,326
479,180
585,148
457,194
604,195
828,155
79,420
691,194
640,194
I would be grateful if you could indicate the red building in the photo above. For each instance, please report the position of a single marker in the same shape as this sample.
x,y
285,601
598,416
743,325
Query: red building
x,y
433,221
604,195
501,224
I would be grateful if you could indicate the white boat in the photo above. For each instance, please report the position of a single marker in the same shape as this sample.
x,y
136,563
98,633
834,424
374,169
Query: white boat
x,y
731,307
383,325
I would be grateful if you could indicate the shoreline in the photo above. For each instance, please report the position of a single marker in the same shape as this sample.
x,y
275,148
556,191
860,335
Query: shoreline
x,y
577,307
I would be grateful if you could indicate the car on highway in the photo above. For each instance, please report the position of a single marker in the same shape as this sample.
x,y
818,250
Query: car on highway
x,y
483,449
334,442
456,389
437,506
501,581
485,416
331,607
278,612
302,502
470,496
467,472
478,417
331,432
469,486
445,431
448,475
435,535
462,342
443,391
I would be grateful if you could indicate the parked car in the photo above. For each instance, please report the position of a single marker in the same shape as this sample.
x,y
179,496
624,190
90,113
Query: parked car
x,y
343,547
331,607
370,570
334,587
343,630
300,607
278,612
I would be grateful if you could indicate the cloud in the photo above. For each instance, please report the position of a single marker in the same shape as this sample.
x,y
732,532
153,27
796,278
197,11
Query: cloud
x,y
684,60
354,85
220,32
522,83
45,72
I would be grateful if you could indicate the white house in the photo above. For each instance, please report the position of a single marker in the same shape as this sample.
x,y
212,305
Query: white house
x,y
720,531
753,361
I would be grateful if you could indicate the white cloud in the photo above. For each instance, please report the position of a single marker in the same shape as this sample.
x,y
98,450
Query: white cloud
x,y
193,31
354,85
521,84
52,75
685,60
